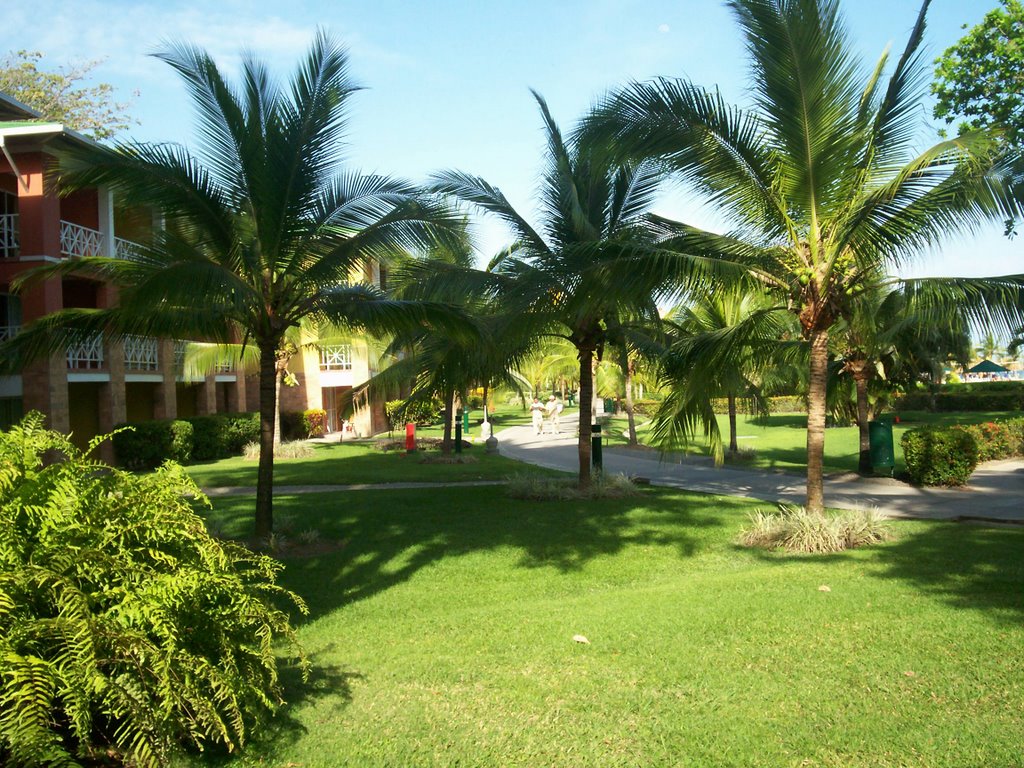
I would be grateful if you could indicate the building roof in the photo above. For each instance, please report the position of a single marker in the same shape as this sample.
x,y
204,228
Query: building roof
x,y
12,109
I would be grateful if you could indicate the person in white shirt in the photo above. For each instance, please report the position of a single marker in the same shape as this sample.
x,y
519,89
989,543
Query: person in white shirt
x,y
537,413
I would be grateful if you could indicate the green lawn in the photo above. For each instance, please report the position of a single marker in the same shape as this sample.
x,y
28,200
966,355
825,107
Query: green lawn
x,y
360,462
503,416
780,440
441,634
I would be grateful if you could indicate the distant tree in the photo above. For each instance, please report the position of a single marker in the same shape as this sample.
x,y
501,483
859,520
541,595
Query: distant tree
x,y
65,95
980,79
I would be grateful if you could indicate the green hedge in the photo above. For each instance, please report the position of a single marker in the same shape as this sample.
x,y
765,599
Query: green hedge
x,y
948,455
972,397
939,456
148,444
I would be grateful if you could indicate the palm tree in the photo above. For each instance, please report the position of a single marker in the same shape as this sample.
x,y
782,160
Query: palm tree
x,y
820,180
592,260
719,345
262,224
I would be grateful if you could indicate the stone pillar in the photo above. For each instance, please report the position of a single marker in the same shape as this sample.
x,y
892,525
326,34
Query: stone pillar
x,y
44,386
206,401
113,408
166,404
237,394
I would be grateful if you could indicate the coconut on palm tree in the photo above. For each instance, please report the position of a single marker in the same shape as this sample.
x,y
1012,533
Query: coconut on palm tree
x,y
821,179
262,224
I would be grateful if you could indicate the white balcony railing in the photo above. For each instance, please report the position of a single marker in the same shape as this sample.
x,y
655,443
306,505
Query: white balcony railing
x,y
86,355
76,240
8,331
126,249
337,358
141,353
8,235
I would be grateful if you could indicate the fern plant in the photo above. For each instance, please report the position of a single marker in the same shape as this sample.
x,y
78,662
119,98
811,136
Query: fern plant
x,y
126,630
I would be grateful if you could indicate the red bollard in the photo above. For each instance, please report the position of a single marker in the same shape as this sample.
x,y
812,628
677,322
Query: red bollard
x,y
410,437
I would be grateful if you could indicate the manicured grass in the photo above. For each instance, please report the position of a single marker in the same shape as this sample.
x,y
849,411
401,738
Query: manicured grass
x,y
780,440
360,462
503,416
441,634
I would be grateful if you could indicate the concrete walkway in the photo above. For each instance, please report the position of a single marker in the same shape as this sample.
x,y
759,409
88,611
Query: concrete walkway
x,y
995,493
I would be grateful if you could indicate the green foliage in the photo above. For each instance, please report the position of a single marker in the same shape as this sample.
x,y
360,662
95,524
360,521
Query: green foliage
x,y
314,422
148,444
939,456
126,630
223,435
795,529
63,96
981,77
420,411
961,397
289,449
997,439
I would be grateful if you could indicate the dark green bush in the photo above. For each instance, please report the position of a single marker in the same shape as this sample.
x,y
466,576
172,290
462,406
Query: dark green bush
x,y
240,429
972,397
126,630
291,425
939,456
221,435
148,444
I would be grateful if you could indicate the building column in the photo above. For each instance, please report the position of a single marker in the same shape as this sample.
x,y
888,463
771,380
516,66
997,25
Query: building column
x,y
166,405
113,408
105,213
44,387
206,402
237,394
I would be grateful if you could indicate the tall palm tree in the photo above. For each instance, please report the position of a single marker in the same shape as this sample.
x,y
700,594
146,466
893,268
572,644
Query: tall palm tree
x,y
820,180
591,260
262,224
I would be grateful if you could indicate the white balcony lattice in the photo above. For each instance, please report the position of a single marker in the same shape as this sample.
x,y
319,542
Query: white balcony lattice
x,y
337,358
141,353
126,249
76,240
86,355
8,331
8,235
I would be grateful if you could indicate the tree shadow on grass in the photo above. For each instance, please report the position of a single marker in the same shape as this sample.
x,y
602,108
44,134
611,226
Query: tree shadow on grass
x,y
325,681
967,566
388,536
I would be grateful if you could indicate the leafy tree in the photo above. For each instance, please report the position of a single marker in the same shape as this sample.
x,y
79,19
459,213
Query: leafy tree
x,y
126,630
591,261
64,95
820,181
263,226
980,79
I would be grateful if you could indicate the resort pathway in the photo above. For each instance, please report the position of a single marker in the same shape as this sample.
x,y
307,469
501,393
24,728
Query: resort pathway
x,y
995,493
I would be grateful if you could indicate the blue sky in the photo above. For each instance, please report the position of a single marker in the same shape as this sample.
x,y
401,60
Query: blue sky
x,y
448,80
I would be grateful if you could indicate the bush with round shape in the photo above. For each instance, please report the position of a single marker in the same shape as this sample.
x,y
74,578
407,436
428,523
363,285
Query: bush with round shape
x,y
126,631
939,456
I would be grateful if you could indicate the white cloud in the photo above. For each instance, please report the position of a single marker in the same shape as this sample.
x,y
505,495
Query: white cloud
x,y
663,28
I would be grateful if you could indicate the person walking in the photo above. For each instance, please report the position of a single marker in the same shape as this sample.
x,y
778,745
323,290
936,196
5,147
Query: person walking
x,y
537,414
553,410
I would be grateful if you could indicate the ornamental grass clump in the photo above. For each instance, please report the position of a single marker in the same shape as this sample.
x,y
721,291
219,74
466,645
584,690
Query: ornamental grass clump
x,y
795,529
127,632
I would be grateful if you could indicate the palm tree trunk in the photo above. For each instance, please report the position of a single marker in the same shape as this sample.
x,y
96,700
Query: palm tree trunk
x,y
446,441
586,406
734,447
816,422
627,371
860,380
277,408
265,473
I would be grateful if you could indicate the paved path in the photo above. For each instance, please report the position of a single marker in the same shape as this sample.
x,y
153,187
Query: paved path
x,y
996,491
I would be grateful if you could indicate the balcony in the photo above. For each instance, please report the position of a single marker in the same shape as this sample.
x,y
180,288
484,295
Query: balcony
x,y
8,235
337,358
141,353
86,355
8,332
76,240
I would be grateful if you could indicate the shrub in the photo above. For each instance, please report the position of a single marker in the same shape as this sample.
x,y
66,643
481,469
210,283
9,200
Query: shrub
x,y
795,529
125,628
602,486
314,422
148,444
222,435
939,456
420,412
995,439
291,425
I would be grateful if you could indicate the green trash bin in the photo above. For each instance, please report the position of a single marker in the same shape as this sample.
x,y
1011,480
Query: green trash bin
x,y
609,405
882,452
